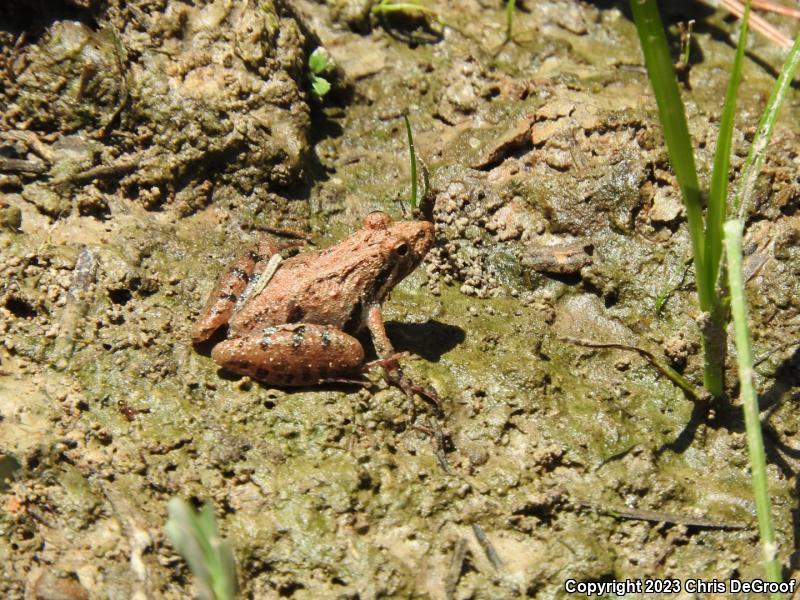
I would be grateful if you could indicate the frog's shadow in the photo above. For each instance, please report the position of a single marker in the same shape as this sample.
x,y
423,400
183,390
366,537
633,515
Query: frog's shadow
x,y
430,339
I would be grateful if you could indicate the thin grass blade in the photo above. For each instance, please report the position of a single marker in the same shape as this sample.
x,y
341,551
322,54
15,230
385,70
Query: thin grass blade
x,y
412,151
196,537
389,7
718,192
188,539
510,6
676,131
744,359
758,149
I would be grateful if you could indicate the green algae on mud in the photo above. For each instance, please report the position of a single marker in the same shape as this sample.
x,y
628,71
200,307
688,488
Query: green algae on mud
x,y
331,491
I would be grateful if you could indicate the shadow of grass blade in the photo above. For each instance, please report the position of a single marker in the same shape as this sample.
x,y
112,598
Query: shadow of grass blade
x,y
758,149
676,131
718,192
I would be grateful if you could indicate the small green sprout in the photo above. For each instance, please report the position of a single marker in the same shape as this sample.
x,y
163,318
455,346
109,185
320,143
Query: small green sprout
x,y
510,5
413,153
196,537
410,6
686,40
318,63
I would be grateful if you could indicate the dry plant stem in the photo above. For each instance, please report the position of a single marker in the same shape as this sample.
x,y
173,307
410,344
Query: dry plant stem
x,y
776,8
456,566
667,371
75,308
758,23
744,360
17,165
656,516
487,546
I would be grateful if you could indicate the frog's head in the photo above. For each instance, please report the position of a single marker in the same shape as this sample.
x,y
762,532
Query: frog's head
x,y
404,247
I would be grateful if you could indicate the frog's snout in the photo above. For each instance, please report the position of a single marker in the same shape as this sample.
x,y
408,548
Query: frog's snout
x,y
424,238
418,235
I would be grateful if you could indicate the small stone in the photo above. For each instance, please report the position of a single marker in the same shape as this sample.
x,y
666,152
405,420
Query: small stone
x,y
666,207
45,199
10,218
59,587
555,109
561,160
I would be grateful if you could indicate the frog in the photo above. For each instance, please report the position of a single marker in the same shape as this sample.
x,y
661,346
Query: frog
x,y
295,321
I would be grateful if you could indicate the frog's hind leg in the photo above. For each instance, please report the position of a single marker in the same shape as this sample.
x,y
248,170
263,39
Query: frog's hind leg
x,y
229,287
293,354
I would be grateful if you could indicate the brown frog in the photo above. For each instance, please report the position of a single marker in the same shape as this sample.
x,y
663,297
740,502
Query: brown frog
x,y
292,322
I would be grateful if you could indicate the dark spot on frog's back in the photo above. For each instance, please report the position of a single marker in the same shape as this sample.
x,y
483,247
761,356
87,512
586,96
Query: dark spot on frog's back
x,y
239,274
267,339
228,297
298,336
325,338
254,256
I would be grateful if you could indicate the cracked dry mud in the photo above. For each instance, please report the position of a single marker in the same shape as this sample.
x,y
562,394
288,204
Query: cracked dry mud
x,y
144,143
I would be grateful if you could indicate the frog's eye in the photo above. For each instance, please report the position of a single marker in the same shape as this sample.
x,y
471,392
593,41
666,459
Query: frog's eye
x,y
402,249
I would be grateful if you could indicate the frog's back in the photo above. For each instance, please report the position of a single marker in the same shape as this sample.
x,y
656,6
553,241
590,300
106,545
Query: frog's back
x,y
326,287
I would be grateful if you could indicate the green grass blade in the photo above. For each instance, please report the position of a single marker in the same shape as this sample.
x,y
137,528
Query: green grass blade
x,y
510,6
410,7
413,153
744,359
196,538
758,149
718,192
182,529
676,131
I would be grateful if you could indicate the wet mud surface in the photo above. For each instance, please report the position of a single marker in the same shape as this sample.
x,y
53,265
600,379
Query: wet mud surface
x,y
144,144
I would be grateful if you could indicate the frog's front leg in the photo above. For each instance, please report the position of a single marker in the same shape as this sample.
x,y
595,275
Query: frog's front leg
x,y
377,329
229,287
292,354
386,352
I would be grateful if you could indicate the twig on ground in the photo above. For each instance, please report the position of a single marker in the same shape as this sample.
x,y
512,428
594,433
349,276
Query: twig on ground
x,y
667,371
487,546
656,516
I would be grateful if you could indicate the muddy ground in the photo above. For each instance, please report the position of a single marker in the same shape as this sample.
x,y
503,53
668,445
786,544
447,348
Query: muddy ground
x,y
144,143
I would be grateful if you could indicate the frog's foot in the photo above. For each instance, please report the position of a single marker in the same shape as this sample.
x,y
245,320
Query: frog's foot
x,y
386,363
394,375
442,442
